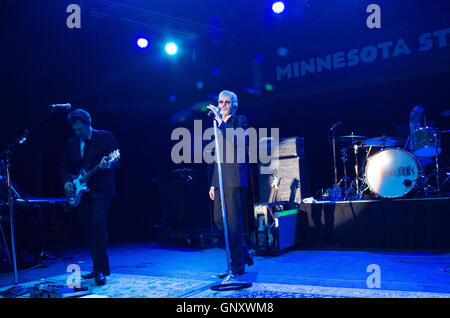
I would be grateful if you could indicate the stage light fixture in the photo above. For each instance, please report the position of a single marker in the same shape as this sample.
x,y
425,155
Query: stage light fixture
x,y
171,48
278,7
142,43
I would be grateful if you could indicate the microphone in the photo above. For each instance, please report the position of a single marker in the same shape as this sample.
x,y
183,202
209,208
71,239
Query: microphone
x,y
61,106
211,114
335,125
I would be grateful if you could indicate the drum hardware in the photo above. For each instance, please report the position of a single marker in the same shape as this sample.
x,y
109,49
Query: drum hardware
x,y
383,142
405,178
333,141
338,193
352,188
352,138
357,181
437,150
358,185
392,172
425,142
344,160
436,158
334,156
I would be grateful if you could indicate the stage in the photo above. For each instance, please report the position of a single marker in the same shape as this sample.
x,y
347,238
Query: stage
x,y
116,114
151,270
417,223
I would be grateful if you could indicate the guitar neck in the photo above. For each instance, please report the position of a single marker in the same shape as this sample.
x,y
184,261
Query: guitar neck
x,y
111,158
273,194
92,171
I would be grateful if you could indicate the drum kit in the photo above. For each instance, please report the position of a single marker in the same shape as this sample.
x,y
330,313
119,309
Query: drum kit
x,y
390,167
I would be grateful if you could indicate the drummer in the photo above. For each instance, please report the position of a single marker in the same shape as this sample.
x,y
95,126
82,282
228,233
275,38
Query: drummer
x,y
417,120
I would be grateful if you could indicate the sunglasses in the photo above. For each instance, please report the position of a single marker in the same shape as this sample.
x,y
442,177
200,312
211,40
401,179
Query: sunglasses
x,y
227,102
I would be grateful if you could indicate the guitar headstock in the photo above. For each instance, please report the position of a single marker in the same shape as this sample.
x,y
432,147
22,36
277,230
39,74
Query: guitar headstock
x,y
114,156
276,180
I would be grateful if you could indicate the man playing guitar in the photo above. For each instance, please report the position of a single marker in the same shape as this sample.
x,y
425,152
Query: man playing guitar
x,y
88,150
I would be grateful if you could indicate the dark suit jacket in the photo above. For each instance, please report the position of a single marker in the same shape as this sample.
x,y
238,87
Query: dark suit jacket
x,y
234,174
101,144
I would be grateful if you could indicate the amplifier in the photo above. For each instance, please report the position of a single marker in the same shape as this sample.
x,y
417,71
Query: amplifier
x,y
294,180
277,233
182,206
287,147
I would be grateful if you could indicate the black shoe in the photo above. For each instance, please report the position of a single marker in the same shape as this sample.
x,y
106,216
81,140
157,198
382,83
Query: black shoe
x,y
249,261
234,273
88,276
92,275
100,279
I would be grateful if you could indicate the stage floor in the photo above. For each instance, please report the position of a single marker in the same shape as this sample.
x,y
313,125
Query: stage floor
x,y
150,270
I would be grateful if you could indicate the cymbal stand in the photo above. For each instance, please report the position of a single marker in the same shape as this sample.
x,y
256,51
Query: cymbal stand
x,y
436,158
355,148
337,193
344,164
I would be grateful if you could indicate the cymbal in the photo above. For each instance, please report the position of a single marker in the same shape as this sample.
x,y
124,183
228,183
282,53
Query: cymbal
x,y
384,141
351,138
445,113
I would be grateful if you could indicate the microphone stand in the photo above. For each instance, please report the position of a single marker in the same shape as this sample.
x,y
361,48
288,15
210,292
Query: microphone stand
x,y
333,141
229,282
16,290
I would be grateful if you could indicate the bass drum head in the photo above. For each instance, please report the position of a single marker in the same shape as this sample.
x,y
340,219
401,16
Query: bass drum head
x,y
391,173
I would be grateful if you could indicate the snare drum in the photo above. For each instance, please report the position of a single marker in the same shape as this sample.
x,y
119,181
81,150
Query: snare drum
x,y
424,141
391,173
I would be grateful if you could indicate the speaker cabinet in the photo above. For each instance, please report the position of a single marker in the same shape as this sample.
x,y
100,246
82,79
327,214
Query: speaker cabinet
x,y
294,180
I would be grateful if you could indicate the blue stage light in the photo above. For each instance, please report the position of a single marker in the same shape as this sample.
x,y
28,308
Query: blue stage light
x,y
215,70
142,43
282,51
278,7
171,48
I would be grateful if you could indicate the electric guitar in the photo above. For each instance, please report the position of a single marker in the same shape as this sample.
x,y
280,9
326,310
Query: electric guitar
x,y
274,187
79,182
264,224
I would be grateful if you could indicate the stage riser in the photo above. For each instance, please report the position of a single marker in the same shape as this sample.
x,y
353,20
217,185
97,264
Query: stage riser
x,y
396,224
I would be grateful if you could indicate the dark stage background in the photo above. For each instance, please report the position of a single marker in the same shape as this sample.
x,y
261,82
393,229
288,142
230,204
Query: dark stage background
x,y
142,95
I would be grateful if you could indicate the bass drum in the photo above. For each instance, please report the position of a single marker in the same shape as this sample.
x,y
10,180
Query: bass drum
x,y
392,173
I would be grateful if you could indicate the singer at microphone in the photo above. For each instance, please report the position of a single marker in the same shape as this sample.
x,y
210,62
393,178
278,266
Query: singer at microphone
x,y
61,106
234,177
211,113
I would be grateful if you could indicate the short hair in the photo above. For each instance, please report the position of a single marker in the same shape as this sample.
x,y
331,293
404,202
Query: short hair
x,y
79,115
423,107
234,100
